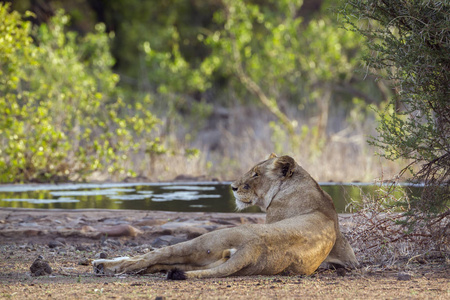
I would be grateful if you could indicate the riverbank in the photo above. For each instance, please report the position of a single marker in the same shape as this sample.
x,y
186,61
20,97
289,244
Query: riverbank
x,y
69,239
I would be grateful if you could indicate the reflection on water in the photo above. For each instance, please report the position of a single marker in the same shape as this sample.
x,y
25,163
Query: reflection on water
x,y
188,197
43,201
92,192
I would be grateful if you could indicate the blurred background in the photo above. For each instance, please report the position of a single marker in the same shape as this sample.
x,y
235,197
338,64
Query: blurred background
x,y
199,89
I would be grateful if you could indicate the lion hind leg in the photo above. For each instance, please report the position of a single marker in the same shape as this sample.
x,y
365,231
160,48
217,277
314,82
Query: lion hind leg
x,y
232,262
226,255
135,264
176,254
175,270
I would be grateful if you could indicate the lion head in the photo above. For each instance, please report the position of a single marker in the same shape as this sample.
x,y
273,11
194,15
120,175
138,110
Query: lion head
x,y
257,186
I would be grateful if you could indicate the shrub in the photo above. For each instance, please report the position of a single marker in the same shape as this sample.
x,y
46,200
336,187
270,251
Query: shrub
x,y
410,44
61,115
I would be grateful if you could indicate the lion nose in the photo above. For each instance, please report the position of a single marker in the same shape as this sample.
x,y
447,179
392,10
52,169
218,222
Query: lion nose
x,y
234,188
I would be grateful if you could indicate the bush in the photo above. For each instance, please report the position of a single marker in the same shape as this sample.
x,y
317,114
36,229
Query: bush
x,y
61,116
410,46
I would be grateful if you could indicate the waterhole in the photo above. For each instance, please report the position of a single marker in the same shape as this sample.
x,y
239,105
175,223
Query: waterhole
x,y
184,197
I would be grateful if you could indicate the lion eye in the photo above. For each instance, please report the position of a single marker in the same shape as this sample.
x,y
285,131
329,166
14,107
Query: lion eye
x,y
255,174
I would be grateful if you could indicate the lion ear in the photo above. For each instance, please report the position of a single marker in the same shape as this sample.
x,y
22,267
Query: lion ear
x,y
272,155
284,165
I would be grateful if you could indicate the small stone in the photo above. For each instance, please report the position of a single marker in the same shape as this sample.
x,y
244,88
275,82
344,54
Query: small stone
x,y
167,240
85,262
136,284
101,255
403,276
53,244
131,244
120,230
82,248
40,267
113,242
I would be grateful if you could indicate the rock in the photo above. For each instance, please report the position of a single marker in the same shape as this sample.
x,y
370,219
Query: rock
x,y
29,224
101,255
85,262
61,240
121,230
403,276
182,225
147,228
113,242
193,229
40,267
55,244
115,222
150,222
82,248
32,232
230,221
131,244
193,232
87,228
162,241
167,240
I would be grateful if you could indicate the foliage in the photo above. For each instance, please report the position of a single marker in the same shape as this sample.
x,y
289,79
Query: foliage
x,y
265,53
61,117
410,41
202,59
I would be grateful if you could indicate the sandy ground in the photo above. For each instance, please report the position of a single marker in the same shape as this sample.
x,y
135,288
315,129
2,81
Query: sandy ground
x,y
68,239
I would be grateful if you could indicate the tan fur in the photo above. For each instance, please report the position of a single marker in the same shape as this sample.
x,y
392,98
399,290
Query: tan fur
x,y
300,233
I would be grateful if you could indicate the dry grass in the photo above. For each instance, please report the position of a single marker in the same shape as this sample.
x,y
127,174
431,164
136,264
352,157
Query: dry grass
x,y
229,147
381,241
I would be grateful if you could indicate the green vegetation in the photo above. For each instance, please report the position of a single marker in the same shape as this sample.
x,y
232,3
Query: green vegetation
x,y
68,114
61,115
265,53
410,44
230,81
271,56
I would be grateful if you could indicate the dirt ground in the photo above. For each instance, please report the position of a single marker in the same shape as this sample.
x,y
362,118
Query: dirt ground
x,y
68,240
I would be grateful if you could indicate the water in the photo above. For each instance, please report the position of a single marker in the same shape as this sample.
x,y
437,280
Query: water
x,y
186,197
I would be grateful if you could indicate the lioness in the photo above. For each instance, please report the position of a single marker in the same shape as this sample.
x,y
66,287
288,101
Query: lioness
x,y
300,233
